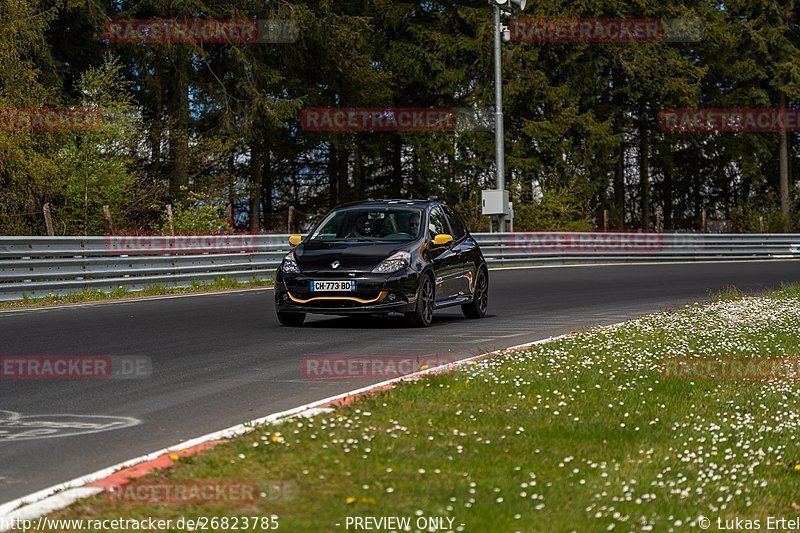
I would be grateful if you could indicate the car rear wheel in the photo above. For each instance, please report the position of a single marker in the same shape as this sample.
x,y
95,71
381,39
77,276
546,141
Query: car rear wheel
x,y
291,320
422,316
480,301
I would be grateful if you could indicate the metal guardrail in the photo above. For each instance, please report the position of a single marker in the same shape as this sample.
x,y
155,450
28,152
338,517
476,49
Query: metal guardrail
x,y
39,266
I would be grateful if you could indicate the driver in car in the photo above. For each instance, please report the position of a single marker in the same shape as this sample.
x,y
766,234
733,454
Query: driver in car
x,y
413,225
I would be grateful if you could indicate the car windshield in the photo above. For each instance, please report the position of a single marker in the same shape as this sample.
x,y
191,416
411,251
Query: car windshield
x,y
370,224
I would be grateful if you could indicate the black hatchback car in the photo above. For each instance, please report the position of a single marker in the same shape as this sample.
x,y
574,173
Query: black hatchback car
x,y
377,257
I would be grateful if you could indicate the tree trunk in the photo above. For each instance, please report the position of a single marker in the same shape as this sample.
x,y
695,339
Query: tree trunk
x,y
358,170
267,185
396,187
155,147
644,165
786,210
618,103
232,188
668,171
179,132
333,174
619,186
342,169
256,164
156,133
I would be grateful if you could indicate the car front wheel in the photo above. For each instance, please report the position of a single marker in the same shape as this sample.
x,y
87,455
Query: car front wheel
x,y
422,316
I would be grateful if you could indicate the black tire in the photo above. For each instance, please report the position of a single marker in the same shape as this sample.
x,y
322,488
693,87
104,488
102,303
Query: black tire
x,y
422,316
291,320
480,301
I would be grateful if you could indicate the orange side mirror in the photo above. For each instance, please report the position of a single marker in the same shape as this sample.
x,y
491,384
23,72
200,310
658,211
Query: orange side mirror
x,y
442,239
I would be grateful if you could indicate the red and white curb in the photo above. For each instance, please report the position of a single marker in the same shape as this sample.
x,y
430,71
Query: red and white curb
x,y
65,494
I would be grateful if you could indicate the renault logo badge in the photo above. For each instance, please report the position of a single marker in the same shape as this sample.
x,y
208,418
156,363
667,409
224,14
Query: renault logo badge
x,y
335,264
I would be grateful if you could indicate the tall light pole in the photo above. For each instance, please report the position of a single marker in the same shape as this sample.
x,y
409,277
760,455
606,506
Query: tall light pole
x,y
508,6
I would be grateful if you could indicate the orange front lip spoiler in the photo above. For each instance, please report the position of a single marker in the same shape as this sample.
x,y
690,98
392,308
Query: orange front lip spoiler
x,y
380,297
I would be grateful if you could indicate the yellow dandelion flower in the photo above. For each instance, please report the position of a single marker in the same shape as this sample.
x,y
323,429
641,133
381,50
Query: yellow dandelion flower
x,y
350,500
424,367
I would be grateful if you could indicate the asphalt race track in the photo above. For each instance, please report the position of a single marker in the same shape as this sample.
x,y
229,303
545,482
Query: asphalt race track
x,y
220,360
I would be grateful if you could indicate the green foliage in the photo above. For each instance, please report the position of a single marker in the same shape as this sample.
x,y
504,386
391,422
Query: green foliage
x,y
28,173
98,167
559,210
198,215
223,120
750,216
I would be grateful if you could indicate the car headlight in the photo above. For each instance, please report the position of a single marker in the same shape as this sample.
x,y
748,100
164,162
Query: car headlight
x,y
393,263
289,264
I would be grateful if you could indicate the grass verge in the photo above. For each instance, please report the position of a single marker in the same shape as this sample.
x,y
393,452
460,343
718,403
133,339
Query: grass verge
x,y
581,434
123,293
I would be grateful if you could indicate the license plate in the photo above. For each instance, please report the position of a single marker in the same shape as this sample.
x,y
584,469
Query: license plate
x,y
333,286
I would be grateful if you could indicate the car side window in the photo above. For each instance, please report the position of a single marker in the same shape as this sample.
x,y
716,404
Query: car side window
x,y
456,225
437,222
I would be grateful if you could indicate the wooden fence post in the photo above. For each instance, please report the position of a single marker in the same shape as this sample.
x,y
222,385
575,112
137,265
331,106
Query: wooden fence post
x,y
171,220
48,220
107,215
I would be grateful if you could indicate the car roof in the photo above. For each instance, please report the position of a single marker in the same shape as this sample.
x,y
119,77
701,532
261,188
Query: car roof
x,y
388,203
